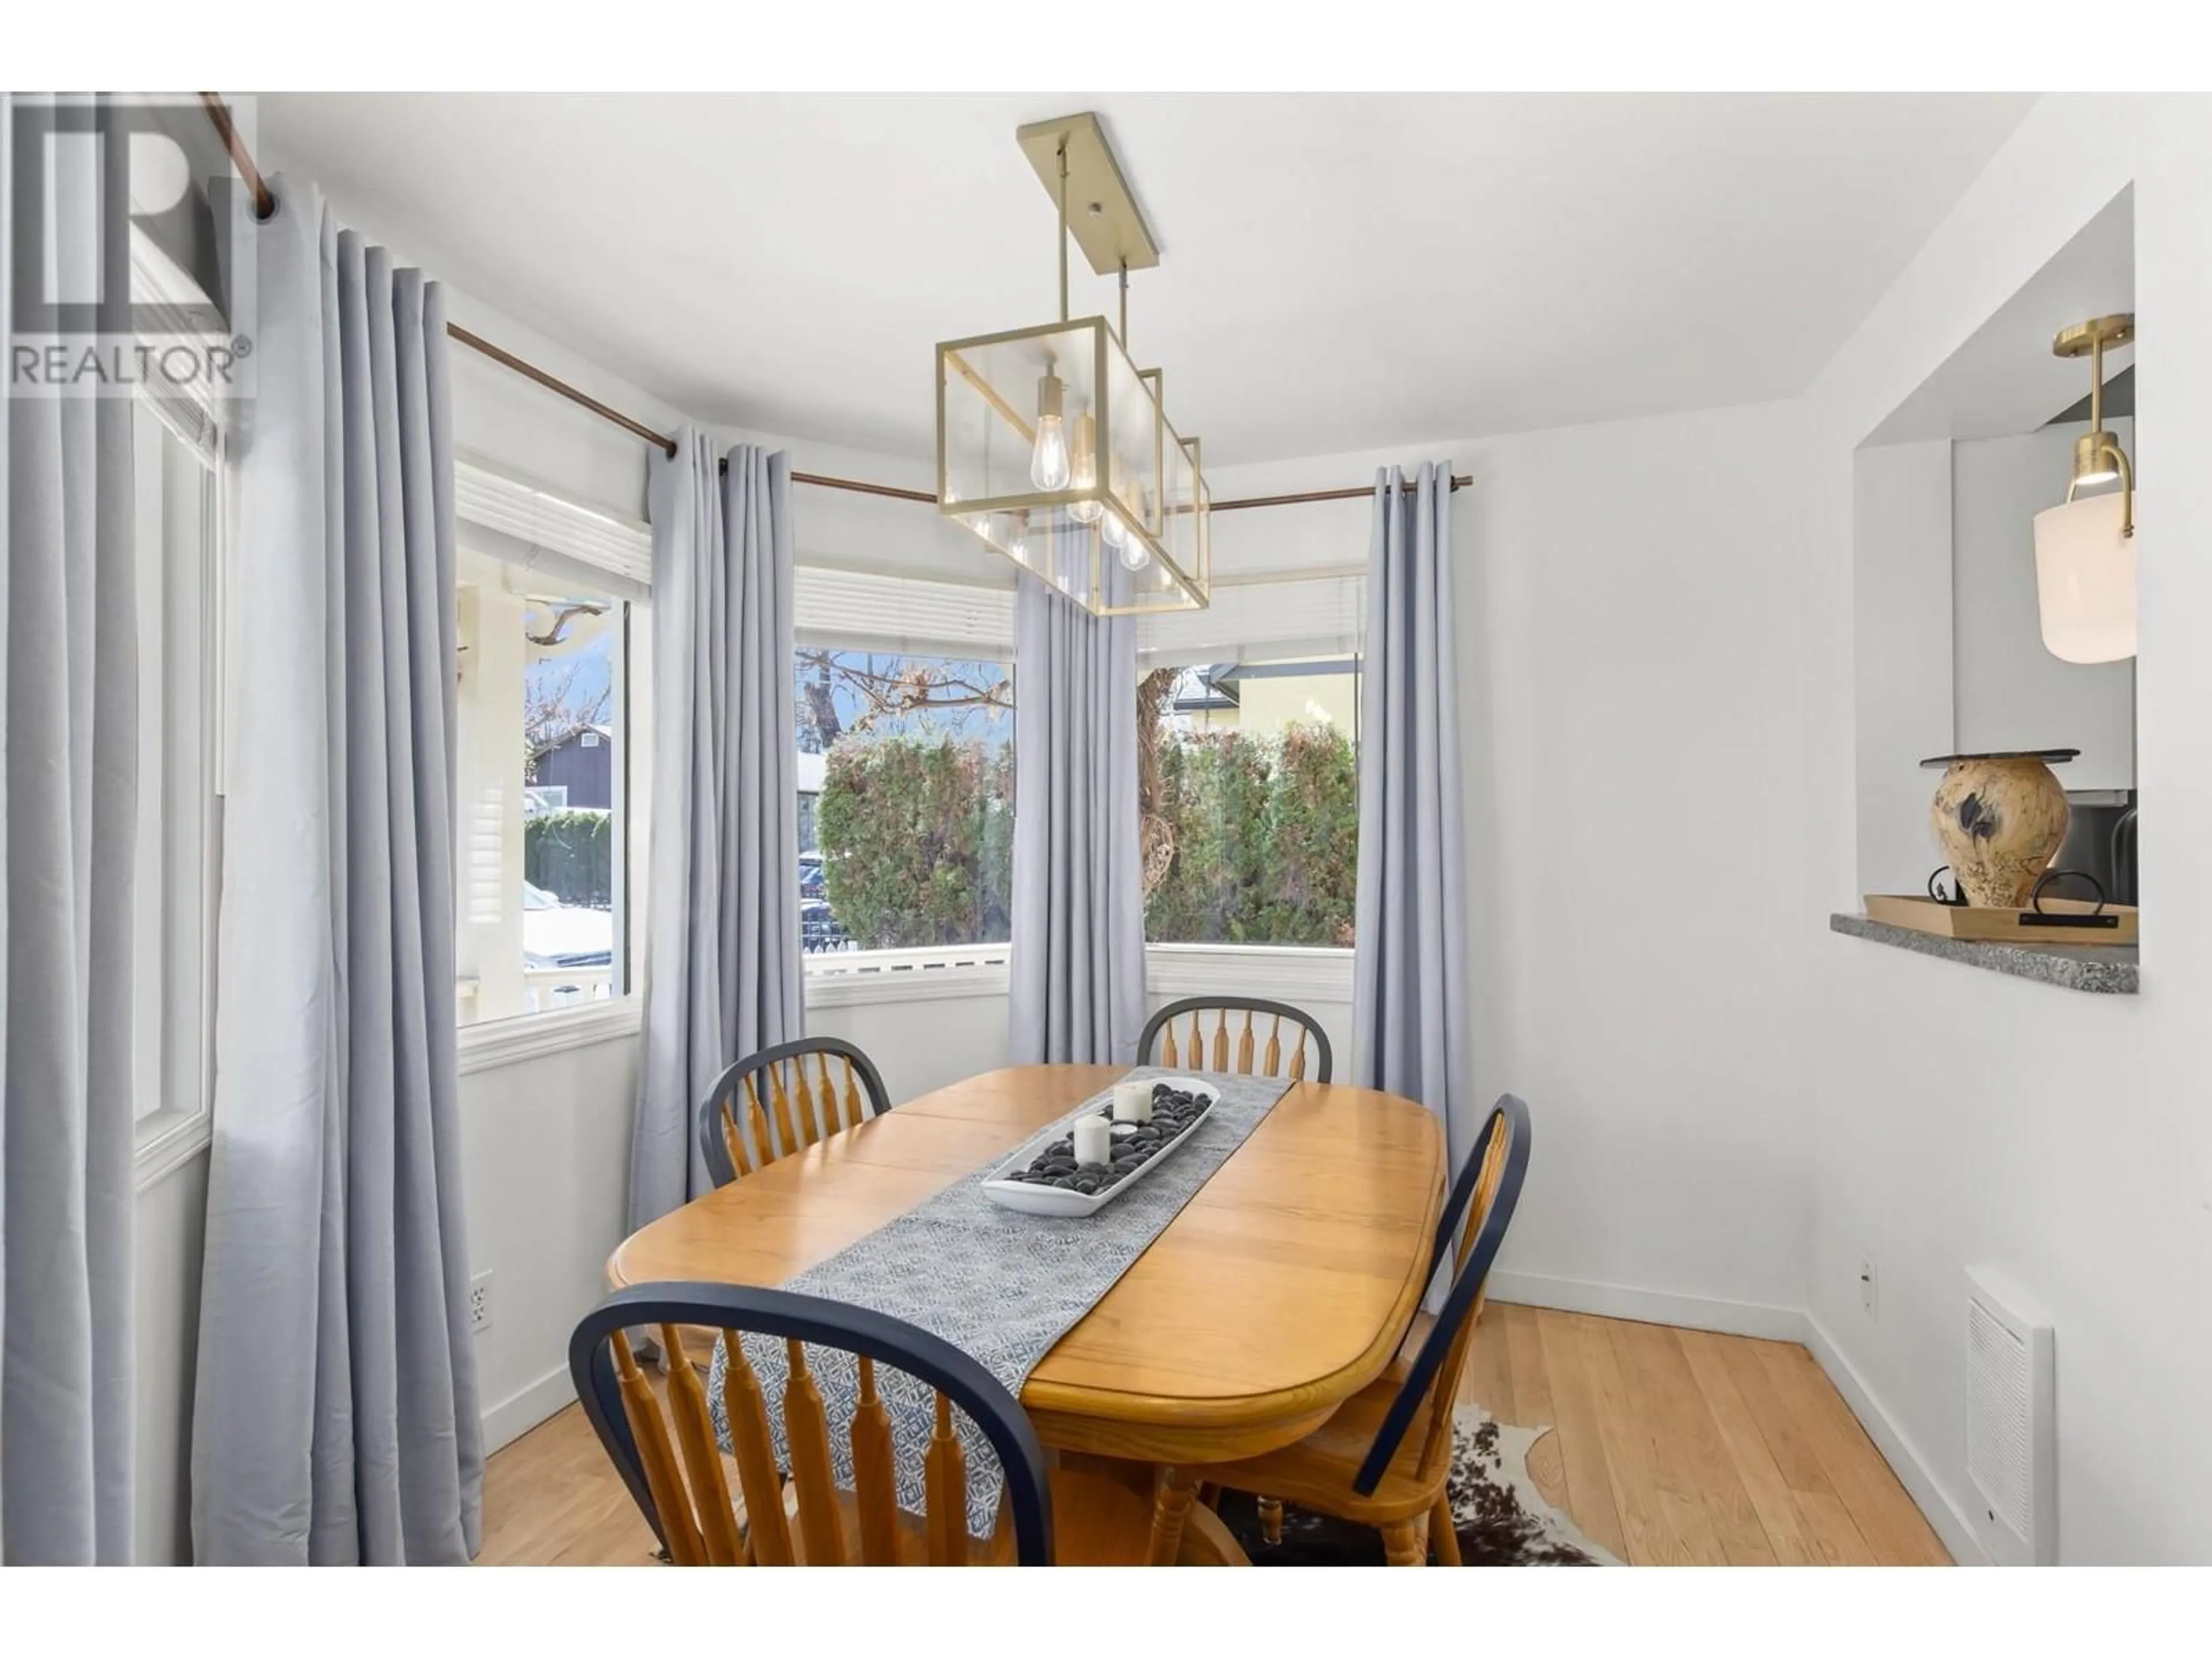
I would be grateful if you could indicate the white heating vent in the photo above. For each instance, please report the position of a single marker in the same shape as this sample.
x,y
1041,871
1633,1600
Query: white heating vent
x,y
2011,1427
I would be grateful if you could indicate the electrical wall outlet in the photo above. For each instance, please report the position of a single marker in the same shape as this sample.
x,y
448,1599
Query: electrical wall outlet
x,y
1869,1288
480,1303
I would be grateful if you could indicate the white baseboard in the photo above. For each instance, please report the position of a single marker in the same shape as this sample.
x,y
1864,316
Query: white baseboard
x,y
1696,1312
1927,1493
523,1411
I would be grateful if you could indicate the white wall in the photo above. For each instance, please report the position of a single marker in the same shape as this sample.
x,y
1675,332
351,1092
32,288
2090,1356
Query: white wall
x,y
1956,1117
1626,714
1626,701
545,1165
1903,697
921,1044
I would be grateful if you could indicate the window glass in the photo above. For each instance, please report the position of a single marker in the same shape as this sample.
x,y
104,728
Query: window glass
x,y
1248,793
906,781
545,743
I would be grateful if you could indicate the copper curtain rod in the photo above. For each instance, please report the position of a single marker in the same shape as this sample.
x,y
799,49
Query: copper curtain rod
x,y
264,203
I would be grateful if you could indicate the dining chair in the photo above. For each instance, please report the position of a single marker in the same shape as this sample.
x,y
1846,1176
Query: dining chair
x,y
1384,1457
1304,1029
662,1442
1259,1015
768,1106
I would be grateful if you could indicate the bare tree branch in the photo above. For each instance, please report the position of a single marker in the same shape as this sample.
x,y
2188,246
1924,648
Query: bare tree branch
x,y
557,634
889,688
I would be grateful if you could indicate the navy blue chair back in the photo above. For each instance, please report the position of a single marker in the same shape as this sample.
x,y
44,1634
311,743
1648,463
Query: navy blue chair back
x,y
670,1459
1476,1213
770,1104
1237,1034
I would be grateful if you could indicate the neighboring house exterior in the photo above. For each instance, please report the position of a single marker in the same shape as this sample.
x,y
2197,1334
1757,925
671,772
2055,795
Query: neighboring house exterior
x,y
583,763
1262,697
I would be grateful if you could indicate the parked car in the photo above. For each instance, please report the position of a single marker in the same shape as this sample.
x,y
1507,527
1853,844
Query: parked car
x,y
557,935
819,929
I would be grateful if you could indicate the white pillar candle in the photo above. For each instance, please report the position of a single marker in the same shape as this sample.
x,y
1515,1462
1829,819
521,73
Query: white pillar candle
x,y
1094,1140
1132,1102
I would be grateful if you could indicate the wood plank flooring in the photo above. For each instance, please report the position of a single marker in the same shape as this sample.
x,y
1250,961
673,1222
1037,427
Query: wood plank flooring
x,y
1667,1447
1675,1447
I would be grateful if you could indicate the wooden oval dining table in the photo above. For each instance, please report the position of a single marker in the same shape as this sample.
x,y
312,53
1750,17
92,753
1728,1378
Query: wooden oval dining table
x,y
1282,1288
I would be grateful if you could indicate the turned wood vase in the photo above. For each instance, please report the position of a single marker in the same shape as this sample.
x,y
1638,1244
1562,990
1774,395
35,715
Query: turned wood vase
x,y
2000,819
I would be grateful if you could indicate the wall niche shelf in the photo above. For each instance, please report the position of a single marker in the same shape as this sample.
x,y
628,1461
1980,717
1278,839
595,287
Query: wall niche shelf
x,y
2104,970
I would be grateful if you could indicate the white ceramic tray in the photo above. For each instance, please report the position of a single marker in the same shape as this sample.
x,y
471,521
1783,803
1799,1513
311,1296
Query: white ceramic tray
x,y
1035,1200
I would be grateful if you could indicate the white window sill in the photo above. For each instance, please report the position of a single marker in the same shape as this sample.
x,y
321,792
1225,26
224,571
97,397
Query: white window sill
x,y
497,1043
849,979
1281,973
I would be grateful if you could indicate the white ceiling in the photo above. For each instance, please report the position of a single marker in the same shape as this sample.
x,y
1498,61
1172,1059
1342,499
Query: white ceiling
x,y
2003,380
1339,272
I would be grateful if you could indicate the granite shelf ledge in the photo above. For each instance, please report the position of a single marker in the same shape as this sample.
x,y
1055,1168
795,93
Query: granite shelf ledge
x,y
2106,970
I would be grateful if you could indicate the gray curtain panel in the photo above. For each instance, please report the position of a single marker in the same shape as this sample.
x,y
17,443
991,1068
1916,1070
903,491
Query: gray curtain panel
x,y
67,819
335,1416
1410,991
1077,967
721,943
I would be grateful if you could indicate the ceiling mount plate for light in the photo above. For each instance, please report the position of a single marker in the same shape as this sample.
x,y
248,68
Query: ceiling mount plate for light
x,y
1103,215
2083,339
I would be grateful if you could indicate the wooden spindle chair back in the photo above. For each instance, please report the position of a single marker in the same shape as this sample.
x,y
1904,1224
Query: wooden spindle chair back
x,y
664,1449
1205,1033
1476,1213
770,1104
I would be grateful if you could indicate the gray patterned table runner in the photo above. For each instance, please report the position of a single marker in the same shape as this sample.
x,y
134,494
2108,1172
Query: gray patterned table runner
x,y
999,1284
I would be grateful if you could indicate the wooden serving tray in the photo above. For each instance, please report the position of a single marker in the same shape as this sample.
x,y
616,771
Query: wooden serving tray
x,y
2116,925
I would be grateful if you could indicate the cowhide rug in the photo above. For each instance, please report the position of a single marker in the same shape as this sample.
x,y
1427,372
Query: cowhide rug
x,y
1500,1516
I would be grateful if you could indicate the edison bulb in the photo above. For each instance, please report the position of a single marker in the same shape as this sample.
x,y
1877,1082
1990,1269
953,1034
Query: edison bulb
x,y
1049,457
1085,471
1048,466
1128,548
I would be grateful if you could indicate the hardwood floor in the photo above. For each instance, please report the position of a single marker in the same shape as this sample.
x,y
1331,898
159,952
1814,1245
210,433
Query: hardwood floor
x,y
1668,1447
1677,1447
552,1499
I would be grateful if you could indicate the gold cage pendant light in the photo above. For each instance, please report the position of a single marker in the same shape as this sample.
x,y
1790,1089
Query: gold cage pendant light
x,y
1052,445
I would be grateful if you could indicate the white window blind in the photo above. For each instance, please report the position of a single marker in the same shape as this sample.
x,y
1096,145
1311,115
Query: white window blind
x,y
1262,619
512,519
909,615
